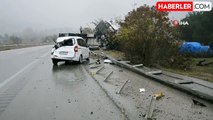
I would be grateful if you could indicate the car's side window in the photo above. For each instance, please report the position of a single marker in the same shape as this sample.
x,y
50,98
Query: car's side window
x,y
81,42
84,43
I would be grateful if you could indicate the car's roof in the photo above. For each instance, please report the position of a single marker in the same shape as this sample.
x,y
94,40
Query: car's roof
x,y
61,39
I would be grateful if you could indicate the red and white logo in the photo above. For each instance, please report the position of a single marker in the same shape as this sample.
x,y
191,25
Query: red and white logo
x,y
175,23
183,6
179,23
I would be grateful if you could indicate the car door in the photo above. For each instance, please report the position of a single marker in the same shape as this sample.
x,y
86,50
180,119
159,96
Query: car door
x,y
86,49
82,47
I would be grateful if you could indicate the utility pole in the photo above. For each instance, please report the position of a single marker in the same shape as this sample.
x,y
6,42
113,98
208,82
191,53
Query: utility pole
x,y
134,4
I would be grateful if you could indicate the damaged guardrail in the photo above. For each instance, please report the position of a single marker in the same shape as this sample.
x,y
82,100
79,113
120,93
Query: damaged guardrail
x,y
178,83
153,75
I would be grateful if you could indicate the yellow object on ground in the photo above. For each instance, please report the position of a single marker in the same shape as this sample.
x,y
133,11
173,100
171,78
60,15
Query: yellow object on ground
x,y
158,95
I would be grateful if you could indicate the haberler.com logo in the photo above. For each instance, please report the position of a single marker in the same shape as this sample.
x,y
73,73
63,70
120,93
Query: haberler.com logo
x,y
183,6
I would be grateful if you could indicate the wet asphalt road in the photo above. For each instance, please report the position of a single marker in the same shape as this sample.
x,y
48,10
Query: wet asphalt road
x,y
31,88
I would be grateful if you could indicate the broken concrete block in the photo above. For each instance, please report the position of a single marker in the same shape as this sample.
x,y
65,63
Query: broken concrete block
x,y
158,72
139,65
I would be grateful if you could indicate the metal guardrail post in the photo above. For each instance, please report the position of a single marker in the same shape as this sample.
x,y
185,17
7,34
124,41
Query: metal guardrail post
x,y
151,108
139,65
119,92
105,80
99,70
158,72
93,67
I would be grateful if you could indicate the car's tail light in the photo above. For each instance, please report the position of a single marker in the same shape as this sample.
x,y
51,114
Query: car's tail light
x,y
76,49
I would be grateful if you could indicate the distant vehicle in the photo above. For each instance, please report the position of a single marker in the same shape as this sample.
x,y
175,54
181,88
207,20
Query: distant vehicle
x,y
70,48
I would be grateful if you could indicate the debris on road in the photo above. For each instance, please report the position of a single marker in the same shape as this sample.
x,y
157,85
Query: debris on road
x,y
142,90
151,108
95,66
139,65
119,92
99,70
98,61
158,72
107,61
92,73
159,95
198,103
105,80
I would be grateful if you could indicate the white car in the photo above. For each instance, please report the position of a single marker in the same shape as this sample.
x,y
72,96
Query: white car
x,y
70,48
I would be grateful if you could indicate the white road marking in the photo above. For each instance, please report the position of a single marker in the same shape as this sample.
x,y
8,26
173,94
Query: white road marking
x,y
22,70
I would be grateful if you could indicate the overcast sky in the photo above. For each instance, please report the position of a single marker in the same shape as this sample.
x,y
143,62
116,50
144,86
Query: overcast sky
x,y
17,15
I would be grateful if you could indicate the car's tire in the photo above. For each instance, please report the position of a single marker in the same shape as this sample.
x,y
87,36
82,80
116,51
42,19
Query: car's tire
x,y
55,62
67,62
87,59
80,59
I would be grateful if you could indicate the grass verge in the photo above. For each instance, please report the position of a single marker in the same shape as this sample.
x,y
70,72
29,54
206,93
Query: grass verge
x,y
200,72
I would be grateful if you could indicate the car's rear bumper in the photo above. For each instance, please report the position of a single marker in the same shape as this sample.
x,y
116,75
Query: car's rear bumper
x,y
64,58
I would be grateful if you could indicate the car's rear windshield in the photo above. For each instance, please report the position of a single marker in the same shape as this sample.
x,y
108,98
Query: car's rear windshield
x,y
68,42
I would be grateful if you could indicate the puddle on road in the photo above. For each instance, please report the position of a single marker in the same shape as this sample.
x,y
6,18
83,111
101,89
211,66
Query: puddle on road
x,y
68,73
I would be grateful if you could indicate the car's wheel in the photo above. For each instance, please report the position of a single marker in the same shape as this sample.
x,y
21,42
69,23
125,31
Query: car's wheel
x,y
80,59
87,59
55,62
67,62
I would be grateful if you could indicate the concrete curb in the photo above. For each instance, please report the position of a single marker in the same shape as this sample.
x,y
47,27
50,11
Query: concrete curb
x,y
108,95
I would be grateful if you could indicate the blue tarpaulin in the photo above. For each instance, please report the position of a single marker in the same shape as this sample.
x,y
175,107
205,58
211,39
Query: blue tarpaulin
x,y
194,48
